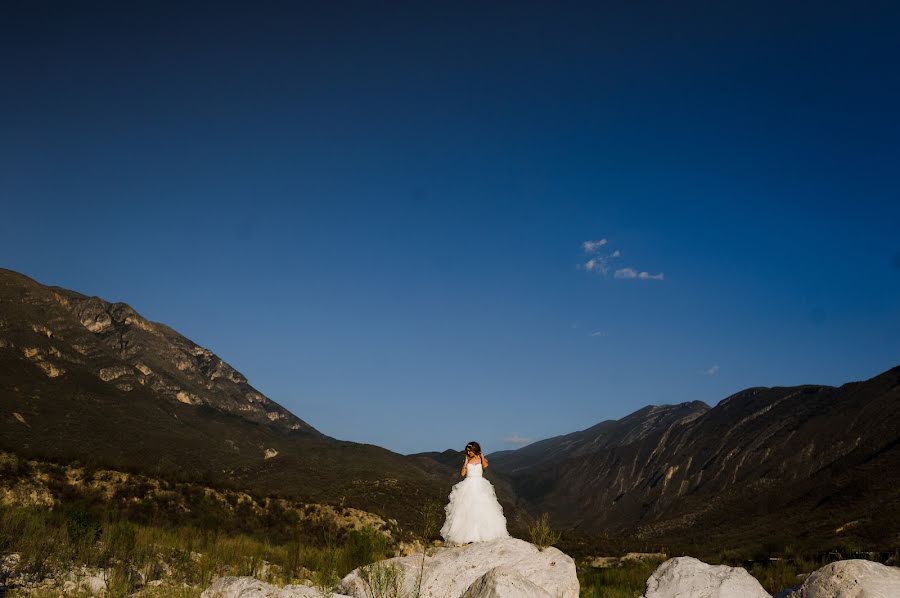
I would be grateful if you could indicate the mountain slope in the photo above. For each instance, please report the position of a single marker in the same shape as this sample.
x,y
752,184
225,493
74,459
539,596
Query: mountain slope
x,y
815,463
83,379
602,436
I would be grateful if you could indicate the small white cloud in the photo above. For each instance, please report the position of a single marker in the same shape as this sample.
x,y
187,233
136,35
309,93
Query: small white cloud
x,y
597,264
712,371
516,439
628,273
648,276
593,246
598,333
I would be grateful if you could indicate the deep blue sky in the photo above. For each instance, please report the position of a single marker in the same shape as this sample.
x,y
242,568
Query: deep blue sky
x,y
376,211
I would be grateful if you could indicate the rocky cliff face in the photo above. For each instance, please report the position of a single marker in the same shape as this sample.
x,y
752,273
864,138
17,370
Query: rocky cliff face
x,y
56,331
800,462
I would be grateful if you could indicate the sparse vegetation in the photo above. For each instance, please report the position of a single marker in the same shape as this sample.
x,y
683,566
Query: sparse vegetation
x,y
52,543
628,580
782,574
383,580
430,523
541,533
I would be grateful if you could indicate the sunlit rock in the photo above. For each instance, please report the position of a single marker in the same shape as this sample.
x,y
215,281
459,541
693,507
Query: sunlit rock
x,y
853,578
686,576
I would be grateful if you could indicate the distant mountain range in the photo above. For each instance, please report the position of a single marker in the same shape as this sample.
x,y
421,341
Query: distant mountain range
x,y
82,379
808,465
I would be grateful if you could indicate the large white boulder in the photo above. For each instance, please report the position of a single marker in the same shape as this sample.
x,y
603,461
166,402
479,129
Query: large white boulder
x,y
854,578
503,582
686,576
250,587
449,572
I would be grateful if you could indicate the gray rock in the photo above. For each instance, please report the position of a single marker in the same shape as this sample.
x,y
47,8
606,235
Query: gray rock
x,y
449,572
854,578
503,582
250,587
686,576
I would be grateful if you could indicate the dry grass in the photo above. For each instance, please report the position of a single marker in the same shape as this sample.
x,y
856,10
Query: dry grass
x,y
186,558
626,581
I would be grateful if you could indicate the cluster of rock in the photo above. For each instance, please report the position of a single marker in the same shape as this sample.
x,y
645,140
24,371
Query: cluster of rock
x,y
504,568
511,568
78,580
856,578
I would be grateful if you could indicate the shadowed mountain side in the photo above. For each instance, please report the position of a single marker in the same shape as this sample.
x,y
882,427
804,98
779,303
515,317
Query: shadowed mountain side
x,y
602,436
815,463
83,379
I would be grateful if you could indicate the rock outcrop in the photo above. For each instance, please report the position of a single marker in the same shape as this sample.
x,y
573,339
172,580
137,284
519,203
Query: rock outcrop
x,y
854,578
687,576
494,569
506,568
503,582
249,587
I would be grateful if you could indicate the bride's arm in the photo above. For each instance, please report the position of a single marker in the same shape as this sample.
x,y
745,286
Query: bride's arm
x,y
464,467
484,461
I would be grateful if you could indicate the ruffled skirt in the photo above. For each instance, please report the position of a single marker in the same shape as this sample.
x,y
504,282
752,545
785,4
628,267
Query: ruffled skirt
x,y
473,513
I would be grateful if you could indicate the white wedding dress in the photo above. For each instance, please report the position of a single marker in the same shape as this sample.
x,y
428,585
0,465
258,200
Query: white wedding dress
x,y
473,513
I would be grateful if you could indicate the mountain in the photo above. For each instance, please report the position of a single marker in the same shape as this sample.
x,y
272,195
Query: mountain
x,y
812,465
82,379
86,380
605,435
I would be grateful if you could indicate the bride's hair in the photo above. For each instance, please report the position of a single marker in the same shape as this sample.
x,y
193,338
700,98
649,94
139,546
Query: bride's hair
x,y
476,448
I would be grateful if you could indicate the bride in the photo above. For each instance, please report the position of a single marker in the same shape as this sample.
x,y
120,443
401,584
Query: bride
x,y
473,513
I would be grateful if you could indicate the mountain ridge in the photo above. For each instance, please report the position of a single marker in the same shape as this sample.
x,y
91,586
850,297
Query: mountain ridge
x,y
84,379
763,450
148,353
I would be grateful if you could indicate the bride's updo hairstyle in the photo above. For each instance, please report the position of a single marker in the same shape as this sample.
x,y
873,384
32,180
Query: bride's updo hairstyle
x,y
474,447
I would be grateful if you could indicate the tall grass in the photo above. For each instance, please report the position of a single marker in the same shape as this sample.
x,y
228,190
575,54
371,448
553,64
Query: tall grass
x,y
776,576
383,580
53,542
626,581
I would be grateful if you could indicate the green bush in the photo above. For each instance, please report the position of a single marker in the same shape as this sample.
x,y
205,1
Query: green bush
x,y
83,525
541,533
362,547
383,580
120,542
626,581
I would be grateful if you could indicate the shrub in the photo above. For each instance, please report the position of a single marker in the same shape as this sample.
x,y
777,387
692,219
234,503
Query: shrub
x,y
325,576
120,540
362,547
383,580
541,533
